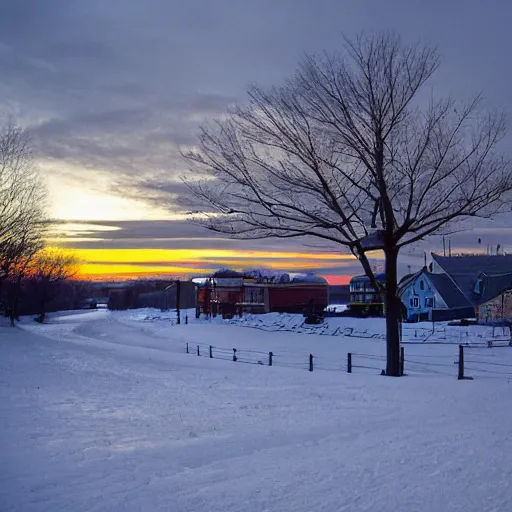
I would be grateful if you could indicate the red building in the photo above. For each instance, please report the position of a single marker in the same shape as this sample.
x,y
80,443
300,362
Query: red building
x,y
229,293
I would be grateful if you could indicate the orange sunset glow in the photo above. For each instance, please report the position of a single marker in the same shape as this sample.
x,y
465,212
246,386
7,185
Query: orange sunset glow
x,y
108,264
109,251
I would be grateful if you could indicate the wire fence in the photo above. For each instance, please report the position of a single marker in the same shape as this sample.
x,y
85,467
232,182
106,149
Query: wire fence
x,y
477,360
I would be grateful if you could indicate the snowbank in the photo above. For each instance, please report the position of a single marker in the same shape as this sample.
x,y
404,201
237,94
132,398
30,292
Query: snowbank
x,y
347,327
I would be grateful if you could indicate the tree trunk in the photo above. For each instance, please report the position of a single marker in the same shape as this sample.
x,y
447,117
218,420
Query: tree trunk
x,y
42,309
393,312
15,300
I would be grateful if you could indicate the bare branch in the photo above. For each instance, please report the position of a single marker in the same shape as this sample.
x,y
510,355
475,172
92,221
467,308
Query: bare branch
x,y
346,151
22,200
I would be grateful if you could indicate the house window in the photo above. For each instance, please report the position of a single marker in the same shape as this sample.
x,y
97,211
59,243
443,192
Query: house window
x,y
479,286
415,302
429,302
422,285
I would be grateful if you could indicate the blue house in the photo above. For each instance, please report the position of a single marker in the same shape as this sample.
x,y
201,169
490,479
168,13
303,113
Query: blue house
x,y
452,287
432,297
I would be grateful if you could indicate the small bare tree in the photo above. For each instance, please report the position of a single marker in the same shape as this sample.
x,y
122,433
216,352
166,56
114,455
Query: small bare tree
x,y
49,269
347,151
23,219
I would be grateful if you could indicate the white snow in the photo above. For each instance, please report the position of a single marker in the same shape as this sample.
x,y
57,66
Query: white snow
x,y
105,411
336,308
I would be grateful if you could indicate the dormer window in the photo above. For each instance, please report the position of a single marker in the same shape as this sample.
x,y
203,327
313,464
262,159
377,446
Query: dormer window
x,y
479,287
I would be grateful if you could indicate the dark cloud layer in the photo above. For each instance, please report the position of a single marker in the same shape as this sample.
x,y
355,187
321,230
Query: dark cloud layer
x,y
117,85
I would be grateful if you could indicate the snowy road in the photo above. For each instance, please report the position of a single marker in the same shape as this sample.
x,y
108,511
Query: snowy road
x,y
99,415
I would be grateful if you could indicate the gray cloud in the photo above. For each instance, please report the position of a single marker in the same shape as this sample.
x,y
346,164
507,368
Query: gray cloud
x,y
116,86
169,234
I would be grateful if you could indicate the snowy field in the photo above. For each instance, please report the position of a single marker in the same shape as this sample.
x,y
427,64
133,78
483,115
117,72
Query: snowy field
x,y
105,411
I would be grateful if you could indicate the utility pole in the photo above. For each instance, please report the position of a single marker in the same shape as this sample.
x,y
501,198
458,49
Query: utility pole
x,y
178,293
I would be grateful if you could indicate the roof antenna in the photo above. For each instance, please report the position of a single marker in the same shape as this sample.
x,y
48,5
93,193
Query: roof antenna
x,y
444,247
450,247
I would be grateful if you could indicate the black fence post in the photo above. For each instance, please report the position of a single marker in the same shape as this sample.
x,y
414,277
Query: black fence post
x,y
234,354
186,318
270,354
402,361
211,353
461,363
349,362
187,348
310,362
178,297
198,353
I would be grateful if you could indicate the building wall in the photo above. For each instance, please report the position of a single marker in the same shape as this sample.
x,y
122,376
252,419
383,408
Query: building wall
x,y
420,300
167,299
499,308
254,294
443,315
297,299
362,292
290,298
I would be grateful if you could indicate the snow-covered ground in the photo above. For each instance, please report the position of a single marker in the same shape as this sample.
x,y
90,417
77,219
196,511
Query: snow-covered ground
x,y
429,349
105,411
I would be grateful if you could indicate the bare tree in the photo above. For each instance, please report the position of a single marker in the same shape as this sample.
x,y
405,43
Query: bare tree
x,y
348,151
23,218
49,269
20,258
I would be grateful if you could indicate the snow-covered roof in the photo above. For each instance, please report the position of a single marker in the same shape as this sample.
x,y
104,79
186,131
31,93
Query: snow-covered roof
x,y
274,276
307,278
263,275
227,272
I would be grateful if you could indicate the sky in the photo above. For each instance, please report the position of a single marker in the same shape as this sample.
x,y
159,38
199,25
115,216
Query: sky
x,y
110,90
